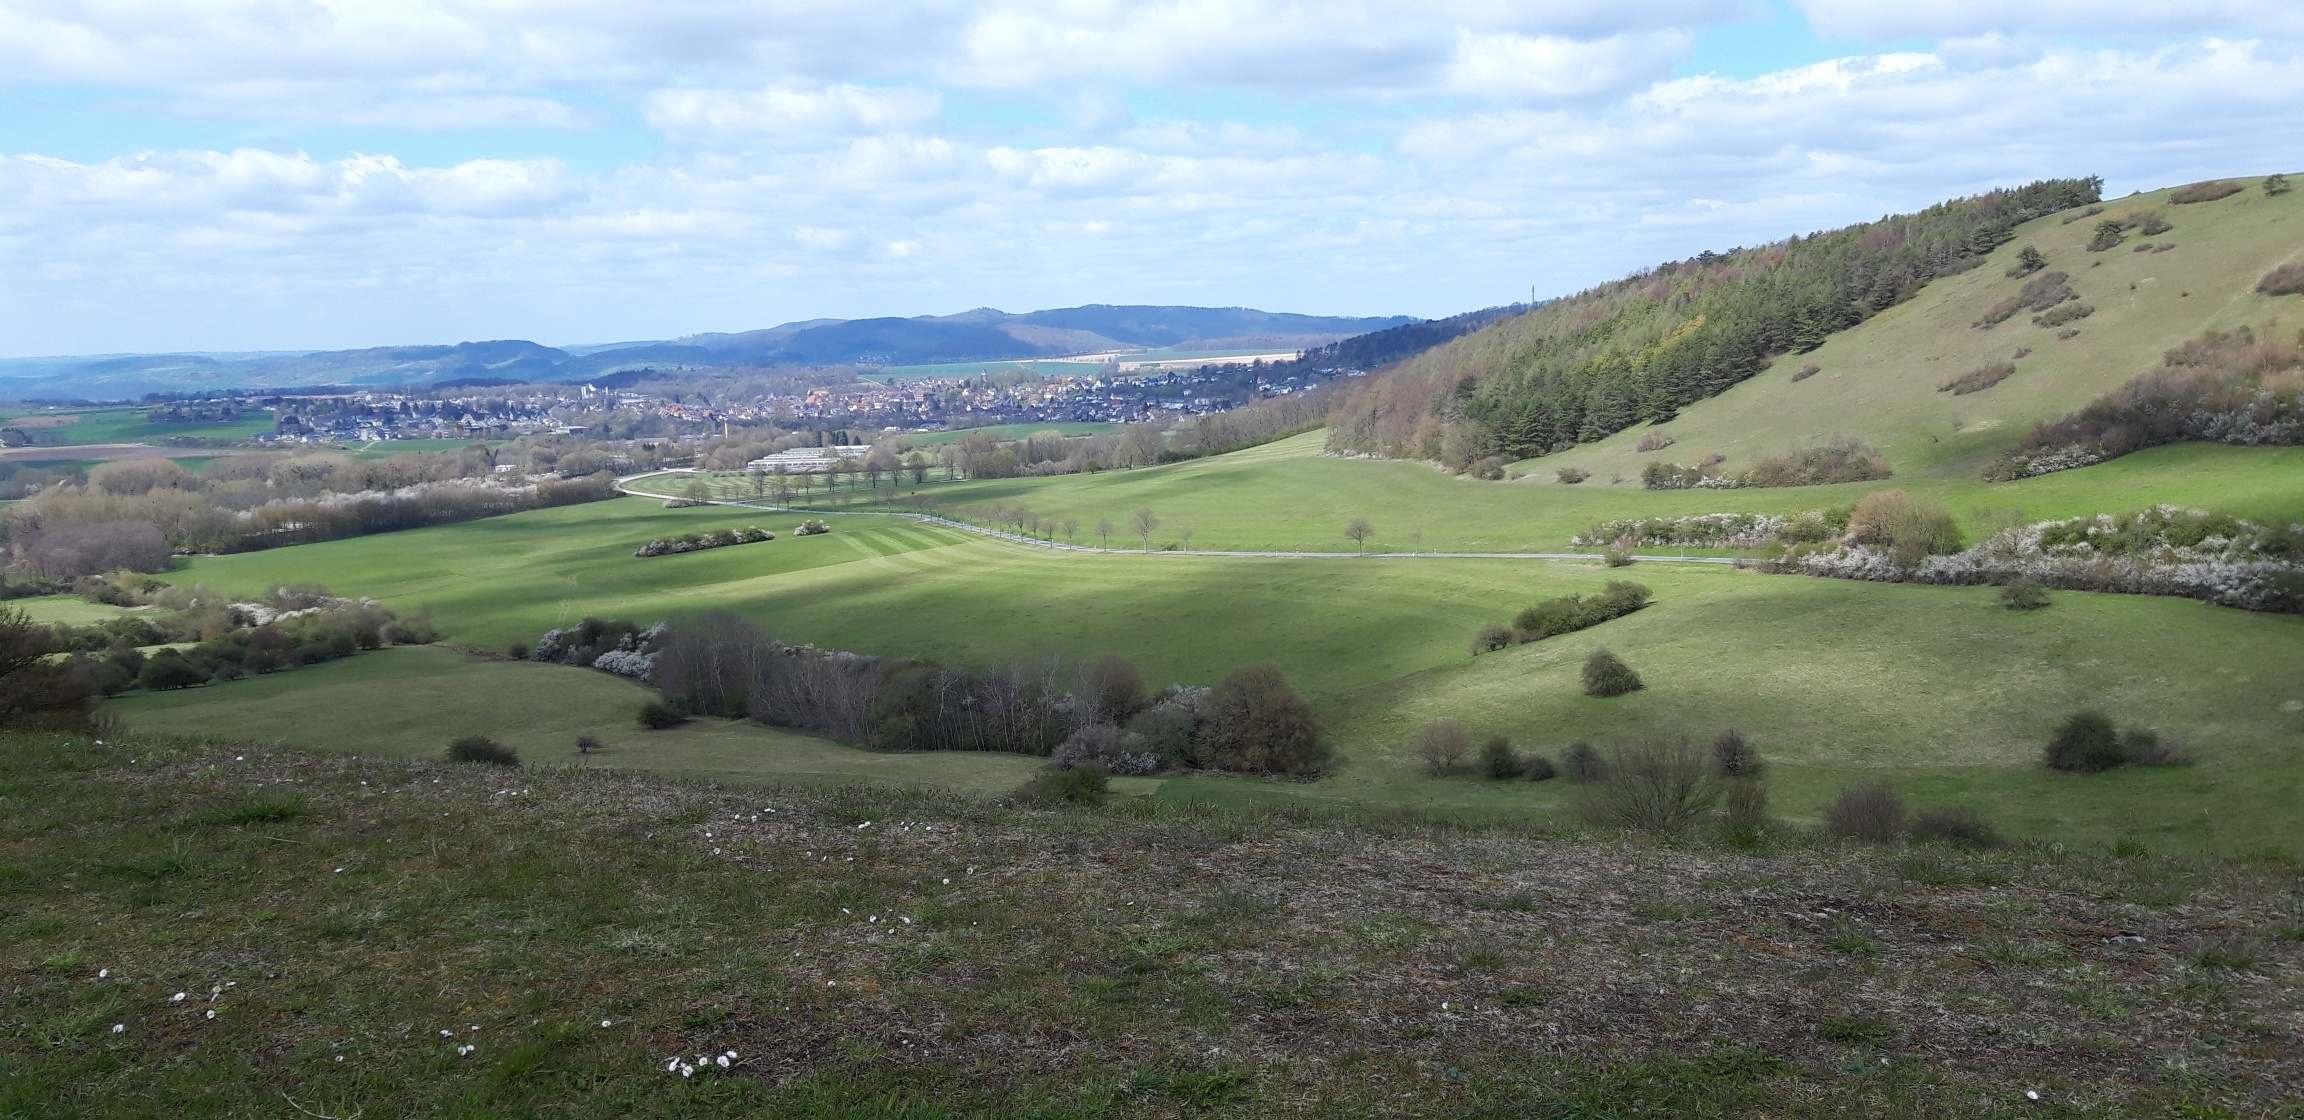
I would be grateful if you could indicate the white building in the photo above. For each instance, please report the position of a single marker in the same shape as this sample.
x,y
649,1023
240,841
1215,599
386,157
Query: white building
x,y
808,460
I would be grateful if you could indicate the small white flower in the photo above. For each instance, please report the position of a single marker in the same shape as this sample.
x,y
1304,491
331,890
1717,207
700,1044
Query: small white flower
x,y
118,1028
239,758
2031,1094
447,1034
672,1066
465,1049
339,871
102,973
211,1014
687,1070
604,1022
730,1055
722,1060
177,998
947,882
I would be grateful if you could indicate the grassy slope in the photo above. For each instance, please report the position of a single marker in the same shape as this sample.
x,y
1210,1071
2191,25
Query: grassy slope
x,y
191,932
1879,381
1933,686
407,702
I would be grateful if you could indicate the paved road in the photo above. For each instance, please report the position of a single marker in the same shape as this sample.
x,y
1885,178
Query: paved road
x,y
623,487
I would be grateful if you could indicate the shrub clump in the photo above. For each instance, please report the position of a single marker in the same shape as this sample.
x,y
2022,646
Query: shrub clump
x,y
813,527
2086,743
2275,185
1838,459
2023,594
1870,811
2109,234
1572,475
480,748
2029,260
1733,756
2204,192
1080,785
1490,638
1605,674
1537,768
1979,379
1962,827
1653,785
2286,280
2065,314
1498,760
1907,528
657,715
2038,294
1656,439
1582,763
1570,613
1108,748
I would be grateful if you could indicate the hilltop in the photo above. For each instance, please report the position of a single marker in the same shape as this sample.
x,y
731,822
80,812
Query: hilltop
x,y
984,334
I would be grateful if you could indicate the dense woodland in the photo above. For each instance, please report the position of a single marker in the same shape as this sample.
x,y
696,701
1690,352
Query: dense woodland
x,y
1639,349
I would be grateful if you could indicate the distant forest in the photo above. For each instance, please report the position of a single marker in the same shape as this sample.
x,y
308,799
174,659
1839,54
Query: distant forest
x,y
1638,349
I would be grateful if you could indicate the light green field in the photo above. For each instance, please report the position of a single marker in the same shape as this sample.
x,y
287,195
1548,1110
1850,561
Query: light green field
x,y
1936,688
128,425
1001,431
410,701
71,610
1287,496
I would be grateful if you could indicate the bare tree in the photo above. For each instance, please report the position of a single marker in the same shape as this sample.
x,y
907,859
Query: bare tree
x,y
1442,745
1071,528
1186,533
1144,522
1358,533
1104,531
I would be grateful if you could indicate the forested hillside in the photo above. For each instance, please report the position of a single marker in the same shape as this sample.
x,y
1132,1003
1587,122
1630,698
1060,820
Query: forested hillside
x,y
1638,349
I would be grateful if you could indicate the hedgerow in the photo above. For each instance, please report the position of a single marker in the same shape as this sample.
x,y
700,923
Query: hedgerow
x,y
1569,613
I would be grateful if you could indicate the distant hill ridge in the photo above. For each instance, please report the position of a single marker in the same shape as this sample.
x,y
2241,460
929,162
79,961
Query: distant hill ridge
x,y
983,334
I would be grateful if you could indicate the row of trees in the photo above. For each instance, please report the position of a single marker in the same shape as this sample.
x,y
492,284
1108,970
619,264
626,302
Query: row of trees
x,y
132,515
1638,349
1097,714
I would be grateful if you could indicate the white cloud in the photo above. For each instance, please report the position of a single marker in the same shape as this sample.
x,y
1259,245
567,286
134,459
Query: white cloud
x,y
1893,19
719,114
1506,66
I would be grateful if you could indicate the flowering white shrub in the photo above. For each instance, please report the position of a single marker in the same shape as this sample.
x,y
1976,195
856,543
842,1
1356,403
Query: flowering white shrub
x,y
697,542
812,527
626,663
1710,530
2165,550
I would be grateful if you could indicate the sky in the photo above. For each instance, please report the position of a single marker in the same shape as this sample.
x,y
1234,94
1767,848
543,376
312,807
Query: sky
x,y
231,175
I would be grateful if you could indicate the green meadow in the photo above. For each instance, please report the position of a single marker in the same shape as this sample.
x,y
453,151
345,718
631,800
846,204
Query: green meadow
x,y
1938,689
128,425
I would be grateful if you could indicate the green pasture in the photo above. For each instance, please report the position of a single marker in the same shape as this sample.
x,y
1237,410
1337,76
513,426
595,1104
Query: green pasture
x,y
1937,689
1287,496
71,610
128,425
410,701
